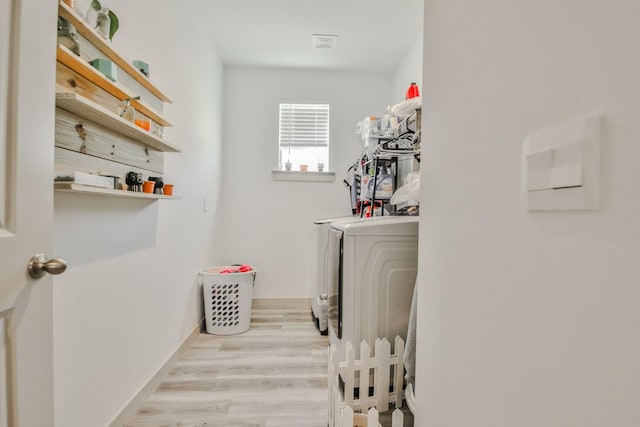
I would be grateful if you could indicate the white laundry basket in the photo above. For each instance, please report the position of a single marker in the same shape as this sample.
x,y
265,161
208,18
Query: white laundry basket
x,y
227,300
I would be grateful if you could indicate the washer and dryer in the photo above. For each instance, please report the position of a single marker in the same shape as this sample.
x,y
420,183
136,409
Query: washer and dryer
x,y
319,275
372,267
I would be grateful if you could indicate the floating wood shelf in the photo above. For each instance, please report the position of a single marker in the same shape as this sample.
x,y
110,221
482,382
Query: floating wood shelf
x,y
82,67
105,47
86,96
87,109
70,187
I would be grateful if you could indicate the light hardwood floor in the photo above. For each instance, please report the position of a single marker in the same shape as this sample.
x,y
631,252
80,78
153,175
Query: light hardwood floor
x,y
273,375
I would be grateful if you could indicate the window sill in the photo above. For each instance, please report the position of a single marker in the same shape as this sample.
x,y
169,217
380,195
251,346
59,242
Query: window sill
x,y
309,176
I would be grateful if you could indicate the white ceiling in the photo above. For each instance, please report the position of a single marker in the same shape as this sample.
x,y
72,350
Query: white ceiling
x,y
373,34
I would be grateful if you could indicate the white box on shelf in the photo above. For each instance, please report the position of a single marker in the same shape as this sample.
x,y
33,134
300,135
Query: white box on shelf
x,y
92,180
87,179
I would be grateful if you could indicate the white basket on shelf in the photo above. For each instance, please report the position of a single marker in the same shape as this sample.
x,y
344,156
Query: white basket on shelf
x,y
227,300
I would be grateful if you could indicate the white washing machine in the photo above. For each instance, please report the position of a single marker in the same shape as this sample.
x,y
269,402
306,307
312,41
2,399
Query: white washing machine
x,y
319,276
373,264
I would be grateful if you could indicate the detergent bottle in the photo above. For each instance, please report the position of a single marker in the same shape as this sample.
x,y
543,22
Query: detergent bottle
x,y
413,91
384,185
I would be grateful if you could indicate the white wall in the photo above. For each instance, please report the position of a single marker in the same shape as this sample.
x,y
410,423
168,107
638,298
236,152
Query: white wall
x,y
525,318
410,68
270,224
407,71
130,295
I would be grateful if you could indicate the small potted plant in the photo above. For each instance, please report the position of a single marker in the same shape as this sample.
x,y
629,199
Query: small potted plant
x,y
102,19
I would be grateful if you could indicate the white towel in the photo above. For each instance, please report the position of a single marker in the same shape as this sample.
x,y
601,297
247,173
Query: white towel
x,y
410,345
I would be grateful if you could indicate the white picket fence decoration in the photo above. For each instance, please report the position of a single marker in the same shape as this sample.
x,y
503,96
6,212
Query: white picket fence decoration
x,y
383,363
348,418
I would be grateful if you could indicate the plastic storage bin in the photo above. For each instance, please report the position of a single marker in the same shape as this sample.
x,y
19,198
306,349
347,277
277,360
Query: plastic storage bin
x,y
227,300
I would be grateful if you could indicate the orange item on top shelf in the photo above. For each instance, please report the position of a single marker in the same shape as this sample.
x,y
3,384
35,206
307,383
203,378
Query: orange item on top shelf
x,y
144,124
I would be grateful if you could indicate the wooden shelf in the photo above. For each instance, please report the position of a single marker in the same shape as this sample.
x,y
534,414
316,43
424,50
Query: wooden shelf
x,y
85,95
69,187
105,47
87,109
83,68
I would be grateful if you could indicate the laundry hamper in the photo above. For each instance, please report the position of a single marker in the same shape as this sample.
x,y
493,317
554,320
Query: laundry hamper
x,y
227,300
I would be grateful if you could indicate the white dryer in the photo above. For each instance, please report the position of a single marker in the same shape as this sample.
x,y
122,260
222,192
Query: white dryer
x,y
373,264
319,276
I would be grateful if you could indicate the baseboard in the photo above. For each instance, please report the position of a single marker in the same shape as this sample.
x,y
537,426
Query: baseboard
x,y
141,397
281,303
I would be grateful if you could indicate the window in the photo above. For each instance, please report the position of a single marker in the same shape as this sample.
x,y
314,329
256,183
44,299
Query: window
x,y
304,136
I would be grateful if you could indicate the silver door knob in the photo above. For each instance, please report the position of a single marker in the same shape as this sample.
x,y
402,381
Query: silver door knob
x,y
39,265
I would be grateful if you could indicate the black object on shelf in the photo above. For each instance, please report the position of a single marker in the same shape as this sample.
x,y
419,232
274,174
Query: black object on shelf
x,y
134,181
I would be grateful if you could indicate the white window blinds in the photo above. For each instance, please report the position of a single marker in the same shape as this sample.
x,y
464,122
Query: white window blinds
x,y
304,125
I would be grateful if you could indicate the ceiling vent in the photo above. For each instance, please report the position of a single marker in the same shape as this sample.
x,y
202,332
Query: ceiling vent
x,y
324,41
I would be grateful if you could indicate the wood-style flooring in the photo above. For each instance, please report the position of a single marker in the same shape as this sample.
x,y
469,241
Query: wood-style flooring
x,y
273,375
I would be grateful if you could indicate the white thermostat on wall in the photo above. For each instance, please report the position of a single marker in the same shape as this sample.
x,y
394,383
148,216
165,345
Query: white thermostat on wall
x,y
561,166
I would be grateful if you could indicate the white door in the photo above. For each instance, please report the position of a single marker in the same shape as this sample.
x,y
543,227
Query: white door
x,y
27,87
